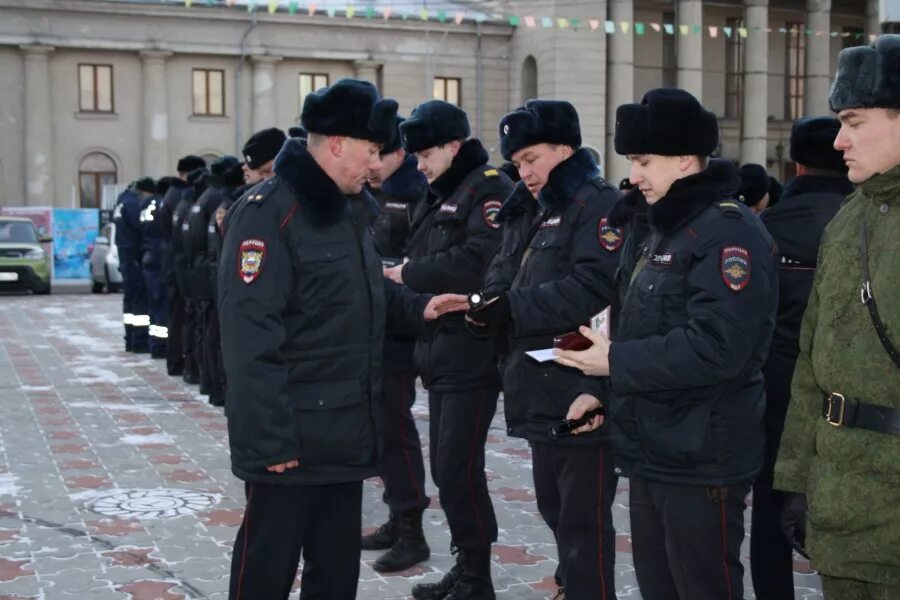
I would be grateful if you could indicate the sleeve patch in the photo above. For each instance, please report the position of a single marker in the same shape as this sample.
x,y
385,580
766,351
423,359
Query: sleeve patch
x,y
611,238
735,267
250,260
491,173
489,210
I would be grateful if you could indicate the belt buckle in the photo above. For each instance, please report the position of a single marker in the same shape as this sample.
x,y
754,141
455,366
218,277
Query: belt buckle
x,y
830,413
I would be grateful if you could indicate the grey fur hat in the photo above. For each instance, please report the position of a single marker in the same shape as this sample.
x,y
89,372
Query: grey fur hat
x,y
868,76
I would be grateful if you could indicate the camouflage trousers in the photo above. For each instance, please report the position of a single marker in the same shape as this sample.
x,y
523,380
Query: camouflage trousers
x,y
851,589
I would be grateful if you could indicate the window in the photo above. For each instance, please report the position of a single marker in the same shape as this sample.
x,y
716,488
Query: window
x,y
529,79
852,36
795,70
734,68
448,89
669,53
95,171
209,92
95,88
309,83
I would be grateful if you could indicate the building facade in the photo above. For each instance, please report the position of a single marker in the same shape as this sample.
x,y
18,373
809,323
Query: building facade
x,y
100,92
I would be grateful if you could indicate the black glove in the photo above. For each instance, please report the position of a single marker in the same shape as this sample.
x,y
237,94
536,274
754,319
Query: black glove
x,y
793,521
490,317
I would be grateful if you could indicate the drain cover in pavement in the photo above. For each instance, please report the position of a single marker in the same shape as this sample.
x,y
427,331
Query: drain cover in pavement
x,y
152,504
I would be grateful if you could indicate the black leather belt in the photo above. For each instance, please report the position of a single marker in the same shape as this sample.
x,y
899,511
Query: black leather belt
x,y
840,411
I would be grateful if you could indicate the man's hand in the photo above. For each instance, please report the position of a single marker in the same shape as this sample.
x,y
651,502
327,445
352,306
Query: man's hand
x,y
493,316
582,404
395,273
593,361
445,303
281,468
793,521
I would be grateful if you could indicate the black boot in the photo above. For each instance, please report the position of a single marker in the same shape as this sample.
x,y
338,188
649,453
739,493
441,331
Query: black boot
x,y
190,374
410,547
474,581
383,537
437,591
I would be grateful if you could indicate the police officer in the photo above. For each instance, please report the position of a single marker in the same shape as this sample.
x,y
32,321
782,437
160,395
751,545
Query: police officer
x,y
684,367
225,174
398,186
453,236
196,180
303,319
755,187
840,445
127,217
809,202
151,268
259,154
167,221
554,272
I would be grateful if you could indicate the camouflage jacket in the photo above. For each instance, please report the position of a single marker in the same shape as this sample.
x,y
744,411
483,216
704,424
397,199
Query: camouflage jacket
x,y
851,476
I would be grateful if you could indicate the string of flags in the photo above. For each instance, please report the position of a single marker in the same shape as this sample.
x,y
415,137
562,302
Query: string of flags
x,y
351,11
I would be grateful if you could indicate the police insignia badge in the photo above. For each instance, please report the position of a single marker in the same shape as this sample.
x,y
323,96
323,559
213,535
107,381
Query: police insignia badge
x,y
250,259
490,209
735,267
610,237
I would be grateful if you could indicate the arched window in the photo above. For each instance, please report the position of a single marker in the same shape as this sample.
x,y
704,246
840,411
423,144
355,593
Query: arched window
x,y
529,79
95,171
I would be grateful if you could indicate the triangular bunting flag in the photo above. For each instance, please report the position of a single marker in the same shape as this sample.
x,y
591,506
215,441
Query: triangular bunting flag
x,y
713,31
386,12
610,27
624,26
639,28
459,18
529,21
370,11
670,29
423,14
514,20
656,27
546,22
292,7
350,11
684,29
563,23
742,31
594,24
727,31
273,6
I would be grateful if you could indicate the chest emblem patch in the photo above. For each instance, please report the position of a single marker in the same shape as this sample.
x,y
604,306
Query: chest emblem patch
x,y
663,260
735,267
489,210
611,238
448,209
551,222
250,260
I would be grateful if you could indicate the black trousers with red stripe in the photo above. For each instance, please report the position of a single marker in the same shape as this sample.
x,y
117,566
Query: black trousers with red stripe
x,y
402,466
280,522
458,426
575,488
686,540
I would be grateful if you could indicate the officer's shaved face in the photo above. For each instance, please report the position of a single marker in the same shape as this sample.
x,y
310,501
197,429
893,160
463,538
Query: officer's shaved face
x,y
390,162
654,174
355,161
251,176
434,162
870,141
535,163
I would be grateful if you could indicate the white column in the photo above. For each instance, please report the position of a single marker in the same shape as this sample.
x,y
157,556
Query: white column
x,y
817,82
155,143
39,170
754,103
367,70
619,84
873,20
690,47
264,114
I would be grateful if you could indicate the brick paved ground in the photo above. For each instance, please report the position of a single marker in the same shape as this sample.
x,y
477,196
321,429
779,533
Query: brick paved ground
x,y
80,420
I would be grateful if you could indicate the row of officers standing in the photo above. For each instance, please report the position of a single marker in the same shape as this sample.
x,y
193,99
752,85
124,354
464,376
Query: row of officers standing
x,y
383,249
168,234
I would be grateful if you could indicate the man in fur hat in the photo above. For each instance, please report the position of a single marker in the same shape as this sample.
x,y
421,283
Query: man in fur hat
x,y
554,272
453,236
796,223
841,445
755,186
686,390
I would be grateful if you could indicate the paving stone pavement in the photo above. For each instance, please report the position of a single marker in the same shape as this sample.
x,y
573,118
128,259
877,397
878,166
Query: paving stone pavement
x,y
81,420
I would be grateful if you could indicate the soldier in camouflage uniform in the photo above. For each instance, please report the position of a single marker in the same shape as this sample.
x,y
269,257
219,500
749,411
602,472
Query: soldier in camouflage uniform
x,y
841,443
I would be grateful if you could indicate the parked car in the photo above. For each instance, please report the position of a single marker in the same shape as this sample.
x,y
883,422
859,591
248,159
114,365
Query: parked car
x,y
105,261
24,264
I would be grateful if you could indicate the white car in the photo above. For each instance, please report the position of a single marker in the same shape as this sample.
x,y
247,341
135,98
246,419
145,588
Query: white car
x,y
105,261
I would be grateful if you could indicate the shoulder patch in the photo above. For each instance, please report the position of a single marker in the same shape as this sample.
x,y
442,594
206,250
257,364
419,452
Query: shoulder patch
x,y
250,260
489,211
611,238
491,173
735,267
731,209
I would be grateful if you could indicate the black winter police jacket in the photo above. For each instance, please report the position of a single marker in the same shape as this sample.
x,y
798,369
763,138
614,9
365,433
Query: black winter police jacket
x,y
453,238
196,238
167,224
302,311
397,199
687,395
807,205
557,264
